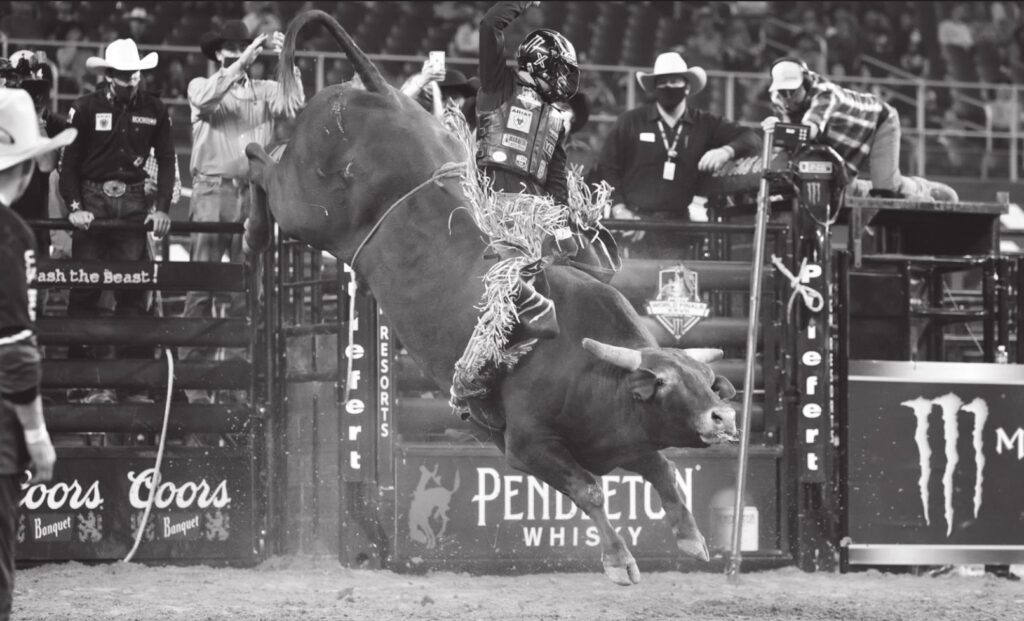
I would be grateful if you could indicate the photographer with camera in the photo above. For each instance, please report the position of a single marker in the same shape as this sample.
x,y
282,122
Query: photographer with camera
x,y
857,125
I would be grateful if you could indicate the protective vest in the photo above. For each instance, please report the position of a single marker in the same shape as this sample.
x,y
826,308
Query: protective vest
x,y
520,135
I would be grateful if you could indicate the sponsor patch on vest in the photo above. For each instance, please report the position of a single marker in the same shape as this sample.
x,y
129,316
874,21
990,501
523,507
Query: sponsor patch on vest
x,y
646,136
542,169
499,156
144,120
549,147
521,161
519,119
104,120
517,143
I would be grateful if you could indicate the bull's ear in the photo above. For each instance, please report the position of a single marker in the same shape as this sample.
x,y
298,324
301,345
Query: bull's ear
x,y
704,354
723,388
643,383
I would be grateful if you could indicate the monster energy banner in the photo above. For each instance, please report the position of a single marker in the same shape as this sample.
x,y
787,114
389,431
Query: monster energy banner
x,y
467,509
92,508
936,460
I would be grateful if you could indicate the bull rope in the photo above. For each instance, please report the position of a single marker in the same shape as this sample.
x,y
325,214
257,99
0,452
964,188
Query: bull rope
x,y
449,169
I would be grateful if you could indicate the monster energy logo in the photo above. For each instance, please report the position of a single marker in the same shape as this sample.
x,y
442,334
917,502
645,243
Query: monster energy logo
x,y
951,406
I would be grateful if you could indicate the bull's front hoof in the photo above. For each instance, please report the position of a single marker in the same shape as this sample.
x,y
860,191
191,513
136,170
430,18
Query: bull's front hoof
x,y
626,575
694,548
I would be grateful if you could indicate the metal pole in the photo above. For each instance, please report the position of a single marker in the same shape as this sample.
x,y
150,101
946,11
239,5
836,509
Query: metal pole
x,y
735,558
1014,134
922,104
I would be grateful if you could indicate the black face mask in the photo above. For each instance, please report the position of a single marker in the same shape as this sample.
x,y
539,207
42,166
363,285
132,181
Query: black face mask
x,y
122,93
669,98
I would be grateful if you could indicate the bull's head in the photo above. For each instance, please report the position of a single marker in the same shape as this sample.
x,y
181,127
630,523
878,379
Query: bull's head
x,y
680,386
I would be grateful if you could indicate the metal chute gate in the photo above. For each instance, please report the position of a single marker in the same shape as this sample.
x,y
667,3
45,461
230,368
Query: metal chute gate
x,y
394,479
208,495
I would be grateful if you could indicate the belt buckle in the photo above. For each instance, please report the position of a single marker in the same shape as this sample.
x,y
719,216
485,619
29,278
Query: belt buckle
x,y
115,188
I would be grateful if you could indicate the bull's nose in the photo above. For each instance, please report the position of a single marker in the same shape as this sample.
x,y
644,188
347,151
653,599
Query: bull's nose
x,y
724,419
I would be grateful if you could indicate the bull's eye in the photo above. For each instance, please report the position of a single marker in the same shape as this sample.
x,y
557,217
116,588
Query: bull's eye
x,y
659,383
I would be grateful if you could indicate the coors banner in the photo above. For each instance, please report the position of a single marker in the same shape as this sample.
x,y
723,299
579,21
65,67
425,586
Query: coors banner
x,y
936,458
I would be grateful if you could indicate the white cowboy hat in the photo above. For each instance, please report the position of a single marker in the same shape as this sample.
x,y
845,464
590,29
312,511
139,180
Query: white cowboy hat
x,y
19,130
671,63
122,55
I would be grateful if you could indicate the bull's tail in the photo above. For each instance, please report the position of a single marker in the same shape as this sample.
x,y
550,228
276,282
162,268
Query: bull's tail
x,y
365,69
259,224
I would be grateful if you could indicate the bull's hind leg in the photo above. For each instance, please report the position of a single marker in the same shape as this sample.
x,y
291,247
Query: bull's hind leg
x,y
662,474
550,461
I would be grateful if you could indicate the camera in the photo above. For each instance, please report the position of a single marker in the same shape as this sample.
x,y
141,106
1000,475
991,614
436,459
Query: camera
x,y
29,71
790,136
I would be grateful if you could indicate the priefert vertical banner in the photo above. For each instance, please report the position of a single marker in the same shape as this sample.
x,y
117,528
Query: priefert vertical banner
x,y
359,412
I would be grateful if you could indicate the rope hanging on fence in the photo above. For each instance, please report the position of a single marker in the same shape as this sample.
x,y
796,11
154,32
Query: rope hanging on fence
x,y
812,299
155,485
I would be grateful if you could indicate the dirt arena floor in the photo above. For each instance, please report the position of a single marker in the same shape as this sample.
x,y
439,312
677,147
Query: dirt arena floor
x,y
315,589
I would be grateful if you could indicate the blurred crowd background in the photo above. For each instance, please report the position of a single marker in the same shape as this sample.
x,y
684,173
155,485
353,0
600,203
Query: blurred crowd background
x,y
886,46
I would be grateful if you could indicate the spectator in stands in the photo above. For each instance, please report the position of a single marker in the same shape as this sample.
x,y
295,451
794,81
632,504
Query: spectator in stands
x,y
740,52
23,21
175,84
436,89
844,44
466,40
140,26
102,177
857,125
229,111
654,153
24,440
706,46
914,58
954,30
71,58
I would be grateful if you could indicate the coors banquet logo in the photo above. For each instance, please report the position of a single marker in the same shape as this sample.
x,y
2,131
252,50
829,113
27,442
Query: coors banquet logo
x,y
952,407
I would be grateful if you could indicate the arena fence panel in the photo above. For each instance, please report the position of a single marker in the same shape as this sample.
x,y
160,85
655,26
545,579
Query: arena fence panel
x,y
208,499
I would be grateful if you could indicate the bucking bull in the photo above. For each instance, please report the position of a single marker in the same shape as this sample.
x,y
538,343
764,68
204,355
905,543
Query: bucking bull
x,y
365,175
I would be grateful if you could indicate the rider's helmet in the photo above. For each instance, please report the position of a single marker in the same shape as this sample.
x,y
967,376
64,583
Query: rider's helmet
x,y
550,60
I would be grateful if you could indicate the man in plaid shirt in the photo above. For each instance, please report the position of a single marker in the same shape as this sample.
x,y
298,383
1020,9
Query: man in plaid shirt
x,y
857,125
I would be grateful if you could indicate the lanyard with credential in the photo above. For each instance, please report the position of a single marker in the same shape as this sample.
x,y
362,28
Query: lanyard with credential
x,y
668,172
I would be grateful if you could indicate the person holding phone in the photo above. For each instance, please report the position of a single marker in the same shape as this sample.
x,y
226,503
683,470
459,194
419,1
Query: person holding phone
x,y
229,110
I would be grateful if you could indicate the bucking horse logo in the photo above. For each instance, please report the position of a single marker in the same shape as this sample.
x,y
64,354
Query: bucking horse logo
x,y
428,511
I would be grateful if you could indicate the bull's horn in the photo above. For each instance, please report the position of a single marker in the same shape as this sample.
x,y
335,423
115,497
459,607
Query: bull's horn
x,y
704,354
624,357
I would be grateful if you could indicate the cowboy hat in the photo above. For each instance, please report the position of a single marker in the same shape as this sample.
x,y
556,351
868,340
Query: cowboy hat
x,y
671,63
122,55
19,130
456,82
139,13
233,30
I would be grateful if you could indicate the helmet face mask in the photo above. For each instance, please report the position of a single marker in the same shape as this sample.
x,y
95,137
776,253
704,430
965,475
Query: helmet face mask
x,y
550,60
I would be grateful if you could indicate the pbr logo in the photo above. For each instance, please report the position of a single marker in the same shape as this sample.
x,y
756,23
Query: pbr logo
x,y
953,408
428,510
678,306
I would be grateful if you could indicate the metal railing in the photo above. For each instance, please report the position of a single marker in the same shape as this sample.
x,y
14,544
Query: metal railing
x,y
911,93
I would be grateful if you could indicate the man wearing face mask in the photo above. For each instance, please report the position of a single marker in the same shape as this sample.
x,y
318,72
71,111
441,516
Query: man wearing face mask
x,y
859,126
102,177
229,110
654,153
